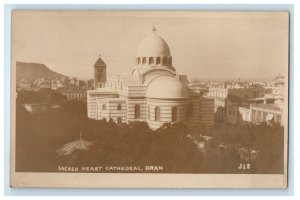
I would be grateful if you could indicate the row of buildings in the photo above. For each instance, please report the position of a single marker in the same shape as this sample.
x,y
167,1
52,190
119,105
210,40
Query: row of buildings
x,y
72,88
248,103
49,83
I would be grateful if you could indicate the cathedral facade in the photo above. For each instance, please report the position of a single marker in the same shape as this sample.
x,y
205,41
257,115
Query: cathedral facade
x,y
152,91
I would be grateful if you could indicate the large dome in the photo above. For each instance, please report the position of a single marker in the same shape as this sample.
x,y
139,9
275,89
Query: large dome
x,y
153,46
166,87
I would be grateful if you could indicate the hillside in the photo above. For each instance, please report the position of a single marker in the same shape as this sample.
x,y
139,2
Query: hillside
x,y
35,70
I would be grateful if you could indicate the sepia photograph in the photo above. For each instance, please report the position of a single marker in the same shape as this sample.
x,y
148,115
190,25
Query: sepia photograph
x,y
155,99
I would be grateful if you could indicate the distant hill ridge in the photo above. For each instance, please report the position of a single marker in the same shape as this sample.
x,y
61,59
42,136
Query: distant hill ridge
x,y
26,70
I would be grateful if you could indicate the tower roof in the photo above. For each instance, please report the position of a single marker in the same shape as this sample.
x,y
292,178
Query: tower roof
x,y
100,62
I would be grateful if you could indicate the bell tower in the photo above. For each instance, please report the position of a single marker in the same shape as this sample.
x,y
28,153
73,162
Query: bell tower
x,y
99,73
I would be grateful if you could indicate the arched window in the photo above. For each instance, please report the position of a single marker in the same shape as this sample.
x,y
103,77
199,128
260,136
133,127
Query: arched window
x,y
164,61
137,110
103,107
119,107
149,112
144,60
158,60
119,120
170,60
189,110
139,60
99,75
157,114
187,114
151,60
174,114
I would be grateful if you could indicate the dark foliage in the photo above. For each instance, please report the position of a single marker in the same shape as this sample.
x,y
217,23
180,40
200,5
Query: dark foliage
x,y
46,96
39,135
267,141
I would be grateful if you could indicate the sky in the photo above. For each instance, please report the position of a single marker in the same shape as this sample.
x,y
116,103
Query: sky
x,y
207,45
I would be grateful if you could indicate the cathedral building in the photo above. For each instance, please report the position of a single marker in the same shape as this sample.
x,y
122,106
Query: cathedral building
x,y
152,91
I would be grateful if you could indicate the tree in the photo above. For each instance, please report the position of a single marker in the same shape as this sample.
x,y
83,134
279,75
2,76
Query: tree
x,y
47,96
75,107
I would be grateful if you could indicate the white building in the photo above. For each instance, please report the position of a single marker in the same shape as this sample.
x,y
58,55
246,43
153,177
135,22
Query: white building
x,y
277,85
266,113
256,114
152,91
55,84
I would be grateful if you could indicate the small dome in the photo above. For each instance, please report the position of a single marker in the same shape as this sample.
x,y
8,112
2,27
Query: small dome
x,y
153,46
166,87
